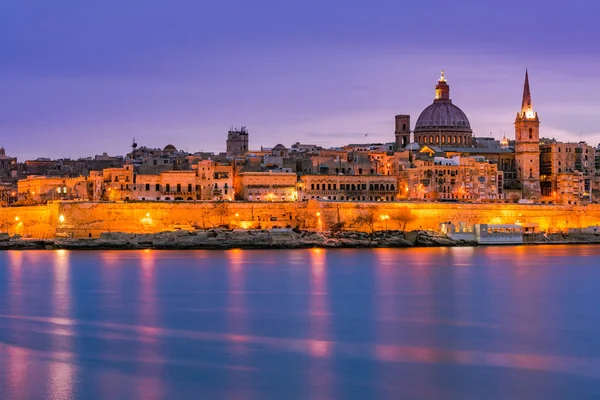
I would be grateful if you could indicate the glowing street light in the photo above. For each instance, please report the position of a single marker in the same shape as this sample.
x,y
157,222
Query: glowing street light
x,y
385,218
61,218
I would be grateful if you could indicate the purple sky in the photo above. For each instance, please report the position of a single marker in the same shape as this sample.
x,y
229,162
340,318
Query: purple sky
x,y
81,78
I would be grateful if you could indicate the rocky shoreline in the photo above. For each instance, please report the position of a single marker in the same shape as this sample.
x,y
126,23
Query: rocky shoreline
x,y
223,239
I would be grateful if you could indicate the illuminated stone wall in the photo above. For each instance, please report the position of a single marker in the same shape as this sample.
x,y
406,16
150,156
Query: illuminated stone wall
x,y
82,219
35,221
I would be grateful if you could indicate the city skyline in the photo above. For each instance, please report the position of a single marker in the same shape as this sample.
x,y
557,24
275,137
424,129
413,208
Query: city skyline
x,y
184,74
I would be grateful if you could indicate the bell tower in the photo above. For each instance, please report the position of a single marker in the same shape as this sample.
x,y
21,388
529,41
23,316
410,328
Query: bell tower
x,y
527,146
402,131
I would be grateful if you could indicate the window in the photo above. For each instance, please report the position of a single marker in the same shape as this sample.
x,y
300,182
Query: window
x,y
189,187
168,188
147,186
157,187
530,133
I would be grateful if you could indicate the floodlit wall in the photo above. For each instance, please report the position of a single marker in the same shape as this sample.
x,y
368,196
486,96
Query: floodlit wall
x,y
82,219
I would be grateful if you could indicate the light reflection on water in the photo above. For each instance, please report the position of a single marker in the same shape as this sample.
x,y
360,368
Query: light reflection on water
x,y
308,324
62,368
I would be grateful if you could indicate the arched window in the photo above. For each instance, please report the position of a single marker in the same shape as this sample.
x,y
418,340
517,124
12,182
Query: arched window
x,y
430,139
403,127
530,133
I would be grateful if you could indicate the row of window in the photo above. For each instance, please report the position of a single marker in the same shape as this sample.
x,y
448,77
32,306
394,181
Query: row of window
x,y
348,186
190,187
357,198
445,139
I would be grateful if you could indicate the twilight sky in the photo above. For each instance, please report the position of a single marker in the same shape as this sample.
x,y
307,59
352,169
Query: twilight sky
x,y
79,78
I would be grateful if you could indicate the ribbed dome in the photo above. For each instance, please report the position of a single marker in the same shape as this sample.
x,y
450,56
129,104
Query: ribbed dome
x,y
442,115
170,149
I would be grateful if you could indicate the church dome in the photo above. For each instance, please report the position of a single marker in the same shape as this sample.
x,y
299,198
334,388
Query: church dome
x,y
170,149
442,123
444,116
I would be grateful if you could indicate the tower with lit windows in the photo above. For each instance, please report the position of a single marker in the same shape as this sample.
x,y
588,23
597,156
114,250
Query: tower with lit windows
x,y
527,146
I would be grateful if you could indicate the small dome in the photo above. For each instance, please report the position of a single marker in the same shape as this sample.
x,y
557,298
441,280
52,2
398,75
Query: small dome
x,y
169,149
443,116
279,147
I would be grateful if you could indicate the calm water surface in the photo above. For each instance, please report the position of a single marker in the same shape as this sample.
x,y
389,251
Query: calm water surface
x,y
460,323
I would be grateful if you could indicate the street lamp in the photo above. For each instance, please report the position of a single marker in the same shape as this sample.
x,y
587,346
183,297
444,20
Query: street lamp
x,y
385,218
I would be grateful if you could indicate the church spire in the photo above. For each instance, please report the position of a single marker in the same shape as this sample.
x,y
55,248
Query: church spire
x,y
526,106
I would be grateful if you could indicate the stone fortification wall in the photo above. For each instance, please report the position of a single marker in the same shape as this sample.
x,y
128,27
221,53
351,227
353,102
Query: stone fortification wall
x,y
34,221
84,219
426,215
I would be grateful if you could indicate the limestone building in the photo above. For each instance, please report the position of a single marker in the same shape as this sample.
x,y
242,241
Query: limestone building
x,y
471,179
348,187
567,171
267,186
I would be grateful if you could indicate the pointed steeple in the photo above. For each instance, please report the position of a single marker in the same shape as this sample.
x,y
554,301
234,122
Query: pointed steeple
x,y
526,106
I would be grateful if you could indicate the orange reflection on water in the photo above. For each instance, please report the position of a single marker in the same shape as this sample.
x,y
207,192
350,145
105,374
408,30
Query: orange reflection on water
x,y
17,356
237,311
588,367
239,344
15,288
321,379
62,368
150,383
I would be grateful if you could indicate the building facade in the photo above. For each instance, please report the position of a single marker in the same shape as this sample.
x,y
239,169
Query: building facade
x,y
348,187
267,186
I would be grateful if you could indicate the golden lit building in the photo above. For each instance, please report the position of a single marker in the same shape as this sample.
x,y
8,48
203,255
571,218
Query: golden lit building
x,y
471,179
207,181
557,162
40,189
267,186
117,183
348,187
